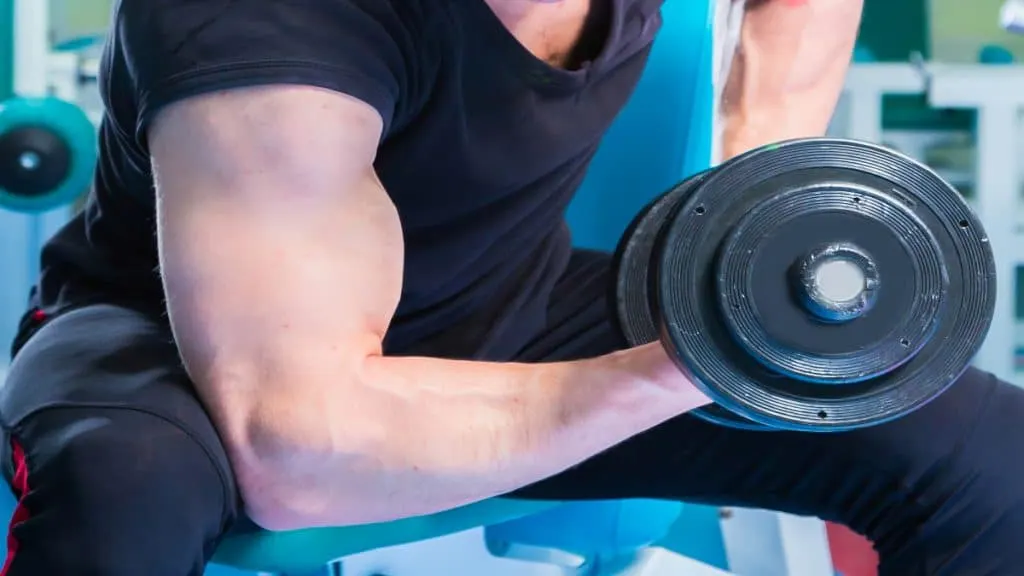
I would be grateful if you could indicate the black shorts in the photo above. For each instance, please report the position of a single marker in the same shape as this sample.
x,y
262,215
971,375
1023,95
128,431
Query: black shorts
x,y
120,471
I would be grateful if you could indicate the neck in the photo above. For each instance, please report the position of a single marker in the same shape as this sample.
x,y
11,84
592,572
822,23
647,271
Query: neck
x,y
514,10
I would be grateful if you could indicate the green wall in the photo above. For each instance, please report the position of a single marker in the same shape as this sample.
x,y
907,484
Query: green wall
x,y
946,30
70,19
895,29
960,28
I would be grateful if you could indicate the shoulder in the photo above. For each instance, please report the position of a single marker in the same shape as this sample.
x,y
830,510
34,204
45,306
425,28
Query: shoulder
x,y
370,49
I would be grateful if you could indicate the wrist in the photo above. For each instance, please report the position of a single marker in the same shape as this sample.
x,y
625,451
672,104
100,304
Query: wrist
x,y
742,132
652,364
752,126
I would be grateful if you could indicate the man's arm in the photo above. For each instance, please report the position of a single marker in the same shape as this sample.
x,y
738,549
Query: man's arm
x,y
788,71
282,261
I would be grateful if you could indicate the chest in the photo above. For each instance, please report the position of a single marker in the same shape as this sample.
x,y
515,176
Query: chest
x,y
562,33
502,128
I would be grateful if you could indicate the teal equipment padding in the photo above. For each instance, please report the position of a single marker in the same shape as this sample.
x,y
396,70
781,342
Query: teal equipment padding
x,y
68,123
6,48
304,551
662,135
607,528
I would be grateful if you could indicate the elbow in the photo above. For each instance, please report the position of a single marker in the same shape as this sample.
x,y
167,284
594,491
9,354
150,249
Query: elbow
x,y
287,485
271,514
275,481
345,452
287,491
303,461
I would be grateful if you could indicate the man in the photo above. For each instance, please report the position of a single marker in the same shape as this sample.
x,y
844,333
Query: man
x,y
357,238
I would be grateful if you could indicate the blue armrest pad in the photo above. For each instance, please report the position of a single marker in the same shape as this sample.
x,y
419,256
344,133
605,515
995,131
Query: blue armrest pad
x,y
591,528
307,550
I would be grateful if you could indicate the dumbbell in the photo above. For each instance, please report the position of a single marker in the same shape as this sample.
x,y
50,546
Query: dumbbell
x,y
47,154
819,285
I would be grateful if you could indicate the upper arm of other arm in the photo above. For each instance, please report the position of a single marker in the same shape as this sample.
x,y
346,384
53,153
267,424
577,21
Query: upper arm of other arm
x,y
788,71
177,49
793,45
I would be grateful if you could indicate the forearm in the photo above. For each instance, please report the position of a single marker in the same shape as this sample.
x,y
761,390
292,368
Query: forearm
x,y
788,71
449,432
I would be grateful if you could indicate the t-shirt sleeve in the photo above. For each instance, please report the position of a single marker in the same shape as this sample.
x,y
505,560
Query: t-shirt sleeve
x,y
175,49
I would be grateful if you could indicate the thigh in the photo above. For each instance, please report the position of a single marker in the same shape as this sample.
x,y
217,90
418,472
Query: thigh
x,y
116,465
110,357
938,491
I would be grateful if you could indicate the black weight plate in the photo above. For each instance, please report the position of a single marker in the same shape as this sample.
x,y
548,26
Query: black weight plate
x,y
631,262
932,221
780,325
631,286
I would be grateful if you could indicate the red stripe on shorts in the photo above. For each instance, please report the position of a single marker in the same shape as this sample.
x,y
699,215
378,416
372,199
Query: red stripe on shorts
x,y
20,486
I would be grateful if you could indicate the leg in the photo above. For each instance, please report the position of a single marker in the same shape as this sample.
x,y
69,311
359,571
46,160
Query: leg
x,y
117,469
939,491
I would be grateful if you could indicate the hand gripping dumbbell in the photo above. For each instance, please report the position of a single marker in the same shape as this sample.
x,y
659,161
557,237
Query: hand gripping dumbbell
x,y
818,285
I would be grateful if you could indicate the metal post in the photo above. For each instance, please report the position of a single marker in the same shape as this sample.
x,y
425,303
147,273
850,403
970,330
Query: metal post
x,y
31,47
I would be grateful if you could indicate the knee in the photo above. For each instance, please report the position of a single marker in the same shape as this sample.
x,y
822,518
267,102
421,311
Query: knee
x,y
989,459
969,504
121,470
987,456
982,463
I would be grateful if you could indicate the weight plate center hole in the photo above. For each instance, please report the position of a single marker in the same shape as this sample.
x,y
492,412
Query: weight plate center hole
x,y
29,161
837,282
840,280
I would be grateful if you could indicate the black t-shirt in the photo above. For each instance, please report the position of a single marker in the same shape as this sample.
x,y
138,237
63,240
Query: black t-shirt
x,y
484,145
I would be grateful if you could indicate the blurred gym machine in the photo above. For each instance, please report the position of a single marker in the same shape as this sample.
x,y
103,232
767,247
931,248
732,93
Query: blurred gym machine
x,y
47,152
